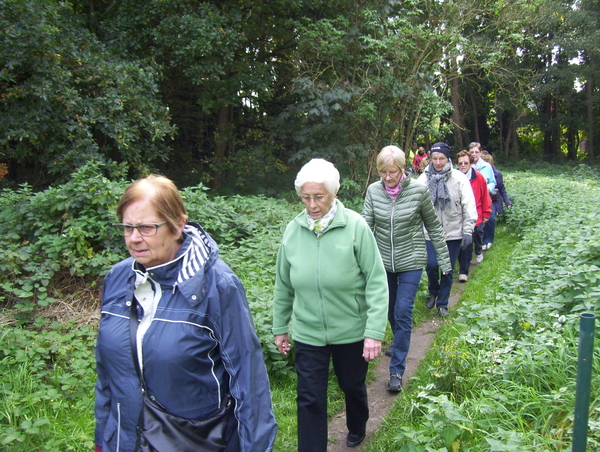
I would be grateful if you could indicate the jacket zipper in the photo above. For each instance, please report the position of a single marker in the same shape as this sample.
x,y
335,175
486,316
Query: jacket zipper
x,y
392,235
118,426
322,302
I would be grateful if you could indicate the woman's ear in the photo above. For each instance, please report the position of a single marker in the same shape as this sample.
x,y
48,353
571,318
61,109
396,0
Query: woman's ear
x,y
182,223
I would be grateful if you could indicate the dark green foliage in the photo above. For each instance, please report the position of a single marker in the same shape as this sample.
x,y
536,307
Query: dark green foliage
x,y
66,232
65,99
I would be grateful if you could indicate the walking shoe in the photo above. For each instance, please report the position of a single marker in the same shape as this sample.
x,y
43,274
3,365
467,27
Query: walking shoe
x,y
388,351
443,312
463,278
479,258
395,383
489,245
430,302
484,247
353,440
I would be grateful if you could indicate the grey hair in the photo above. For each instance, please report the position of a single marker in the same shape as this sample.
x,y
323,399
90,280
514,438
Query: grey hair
x,y
474,144
319,171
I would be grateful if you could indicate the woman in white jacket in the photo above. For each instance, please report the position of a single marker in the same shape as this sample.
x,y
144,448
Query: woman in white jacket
x,y
454,203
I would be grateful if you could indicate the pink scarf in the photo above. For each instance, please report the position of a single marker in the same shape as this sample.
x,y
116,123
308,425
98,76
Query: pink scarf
x,y
394,192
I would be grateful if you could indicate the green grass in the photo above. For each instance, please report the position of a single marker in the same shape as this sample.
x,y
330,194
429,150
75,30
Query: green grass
x,y
415,414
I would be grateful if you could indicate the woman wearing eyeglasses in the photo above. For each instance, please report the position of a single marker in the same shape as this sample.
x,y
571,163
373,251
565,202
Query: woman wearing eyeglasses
x,y
398,209
330,285
194,346
483,203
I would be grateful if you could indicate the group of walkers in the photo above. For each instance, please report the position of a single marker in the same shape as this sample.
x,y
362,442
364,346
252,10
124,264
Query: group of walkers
x,y
179,363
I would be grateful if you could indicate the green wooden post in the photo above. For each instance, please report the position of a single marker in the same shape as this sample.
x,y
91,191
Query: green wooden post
x,y
584,379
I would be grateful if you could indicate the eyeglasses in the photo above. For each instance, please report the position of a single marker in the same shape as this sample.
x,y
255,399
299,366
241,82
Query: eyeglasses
x,y
463,163
389,173
316,198
145,230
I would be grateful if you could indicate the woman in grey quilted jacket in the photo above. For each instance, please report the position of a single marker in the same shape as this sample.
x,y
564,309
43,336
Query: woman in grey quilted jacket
x,y
399,210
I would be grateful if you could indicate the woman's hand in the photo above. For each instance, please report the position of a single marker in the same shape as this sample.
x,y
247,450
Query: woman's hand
x,y
371,349
282,343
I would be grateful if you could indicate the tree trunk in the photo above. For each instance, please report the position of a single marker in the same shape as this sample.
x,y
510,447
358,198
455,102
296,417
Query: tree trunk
x,y
457,110
571,144
589,147
475,116
514,149
222,141
507,124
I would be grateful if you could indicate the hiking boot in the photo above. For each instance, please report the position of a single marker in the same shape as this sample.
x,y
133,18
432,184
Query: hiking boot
x,y
353,440
463,278
430,302
443,312
395,383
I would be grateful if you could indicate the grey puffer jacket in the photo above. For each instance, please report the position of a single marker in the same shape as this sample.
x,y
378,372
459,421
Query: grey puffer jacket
x,y
398,226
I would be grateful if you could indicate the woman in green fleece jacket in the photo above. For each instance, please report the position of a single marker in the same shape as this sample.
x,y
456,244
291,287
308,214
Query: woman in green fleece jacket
x,y
399,210
331,285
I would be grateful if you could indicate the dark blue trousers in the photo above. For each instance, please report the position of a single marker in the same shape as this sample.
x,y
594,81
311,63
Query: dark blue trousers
x,y
312,366
439,284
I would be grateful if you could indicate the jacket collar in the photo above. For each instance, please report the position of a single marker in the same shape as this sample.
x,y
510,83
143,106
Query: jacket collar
x,y
339,221
193,285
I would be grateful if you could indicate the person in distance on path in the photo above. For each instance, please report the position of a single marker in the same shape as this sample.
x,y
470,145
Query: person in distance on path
x,y
499,197
454,204
483,202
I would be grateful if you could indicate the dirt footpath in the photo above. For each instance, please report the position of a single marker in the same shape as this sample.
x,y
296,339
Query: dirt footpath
x,y
380,400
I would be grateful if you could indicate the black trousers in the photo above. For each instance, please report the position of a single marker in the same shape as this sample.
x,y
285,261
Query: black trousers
x,y
312,366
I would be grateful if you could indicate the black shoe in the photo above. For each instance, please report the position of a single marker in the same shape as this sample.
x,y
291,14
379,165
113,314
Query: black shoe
x,y
388,351
431,302
353,440
395,383
443,312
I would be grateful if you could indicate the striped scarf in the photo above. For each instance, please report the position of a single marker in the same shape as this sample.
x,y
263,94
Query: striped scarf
x,y
195,256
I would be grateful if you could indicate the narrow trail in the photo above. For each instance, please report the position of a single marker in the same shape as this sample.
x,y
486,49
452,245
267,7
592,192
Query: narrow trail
x,y
380,400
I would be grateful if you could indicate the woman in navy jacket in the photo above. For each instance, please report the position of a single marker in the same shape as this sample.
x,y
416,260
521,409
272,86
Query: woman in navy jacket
x,y
196,339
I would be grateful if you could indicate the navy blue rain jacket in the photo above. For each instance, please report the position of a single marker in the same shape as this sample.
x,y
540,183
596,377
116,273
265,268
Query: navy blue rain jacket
x,y
200,346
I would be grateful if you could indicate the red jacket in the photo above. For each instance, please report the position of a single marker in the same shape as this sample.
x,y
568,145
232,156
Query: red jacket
x,y
482,196
417,162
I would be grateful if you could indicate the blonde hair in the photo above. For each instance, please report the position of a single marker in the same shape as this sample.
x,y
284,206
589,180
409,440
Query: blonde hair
x,y
487,157
164,198
391,156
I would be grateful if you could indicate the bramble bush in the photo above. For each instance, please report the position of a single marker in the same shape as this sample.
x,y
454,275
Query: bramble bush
x,y
47,372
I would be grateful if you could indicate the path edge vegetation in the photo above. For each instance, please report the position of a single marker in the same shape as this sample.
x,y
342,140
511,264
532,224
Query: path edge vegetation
x,y
500,376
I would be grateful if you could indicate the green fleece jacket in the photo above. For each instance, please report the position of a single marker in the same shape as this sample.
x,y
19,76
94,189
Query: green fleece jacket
x,y
332,289
399,226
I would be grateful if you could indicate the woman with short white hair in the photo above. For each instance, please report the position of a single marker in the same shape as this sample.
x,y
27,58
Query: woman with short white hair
x,y
331,286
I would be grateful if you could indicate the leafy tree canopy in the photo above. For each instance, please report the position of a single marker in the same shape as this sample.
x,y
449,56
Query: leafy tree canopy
x,y
65,99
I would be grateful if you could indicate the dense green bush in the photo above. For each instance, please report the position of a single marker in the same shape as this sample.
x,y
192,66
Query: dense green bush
x,y
67,230
64,229
48,372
